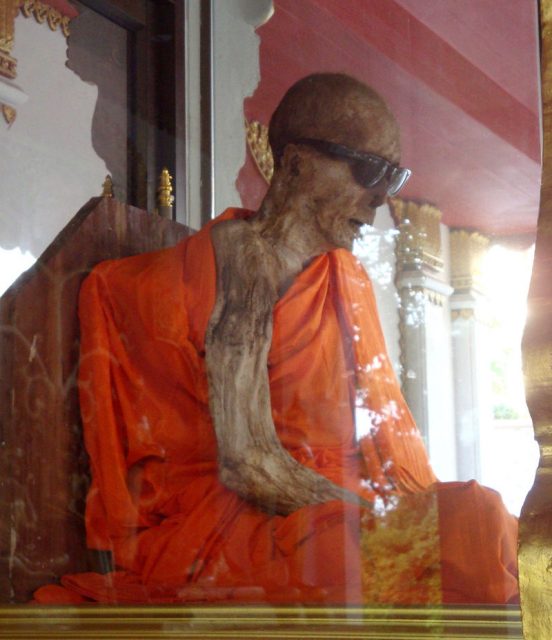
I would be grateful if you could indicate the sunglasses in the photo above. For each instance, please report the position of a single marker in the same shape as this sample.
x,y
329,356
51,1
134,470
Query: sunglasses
x,y
368,169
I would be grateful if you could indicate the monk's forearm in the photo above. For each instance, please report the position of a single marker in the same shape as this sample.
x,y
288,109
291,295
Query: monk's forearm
x,y
251,458
252,461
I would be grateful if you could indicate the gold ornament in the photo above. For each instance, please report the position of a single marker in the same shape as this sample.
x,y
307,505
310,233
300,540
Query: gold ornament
x,y
9,113
257,141
8,11
42,13
164,190
107,187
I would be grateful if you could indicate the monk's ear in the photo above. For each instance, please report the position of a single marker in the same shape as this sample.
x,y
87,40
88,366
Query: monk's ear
x,y
292,159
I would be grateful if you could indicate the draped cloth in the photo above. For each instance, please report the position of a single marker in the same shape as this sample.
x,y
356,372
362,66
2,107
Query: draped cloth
x,y
175,532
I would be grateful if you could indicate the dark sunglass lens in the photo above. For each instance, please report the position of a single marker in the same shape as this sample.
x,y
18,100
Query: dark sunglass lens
x,y
369,172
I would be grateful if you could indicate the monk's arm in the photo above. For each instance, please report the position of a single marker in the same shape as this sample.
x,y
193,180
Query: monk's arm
x,y
251,458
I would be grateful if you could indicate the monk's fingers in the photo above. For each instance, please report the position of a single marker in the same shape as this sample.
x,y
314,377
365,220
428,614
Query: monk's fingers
x,y
341,493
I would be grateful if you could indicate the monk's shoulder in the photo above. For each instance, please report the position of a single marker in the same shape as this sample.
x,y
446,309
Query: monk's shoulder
x,y
232,231
236,243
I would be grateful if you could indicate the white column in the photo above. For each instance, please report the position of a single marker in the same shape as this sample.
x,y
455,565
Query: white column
x,y
426,350
470,339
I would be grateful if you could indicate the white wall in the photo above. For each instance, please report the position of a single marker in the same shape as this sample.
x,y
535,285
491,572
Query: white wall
x,y
48,168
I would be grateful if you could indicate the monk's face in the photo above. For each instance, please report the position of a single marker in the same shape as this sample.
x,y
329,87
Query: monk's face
x,y
341,198
340,205
325,125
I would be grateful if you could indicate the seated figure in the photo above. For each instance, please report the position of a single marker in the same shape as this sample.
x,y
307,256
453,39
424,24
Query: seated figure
x,y
219,381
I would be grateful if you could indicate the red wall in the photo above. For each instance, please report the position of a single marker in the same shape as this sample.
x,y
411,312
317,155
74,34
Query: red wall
x,y
474,148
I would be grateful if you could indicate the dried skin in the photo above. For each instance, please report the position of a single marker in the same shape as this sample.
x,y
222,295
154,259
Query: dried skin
x,y
252,461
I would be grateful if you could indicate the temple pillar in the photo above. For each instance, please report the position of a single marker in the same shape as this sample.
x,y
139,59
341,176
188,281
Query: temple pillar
x,y
470,343
426,351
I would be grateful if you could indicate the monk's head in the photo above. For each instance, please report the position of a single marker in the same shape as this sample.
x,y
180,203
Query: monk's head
x,y
336,148
337,108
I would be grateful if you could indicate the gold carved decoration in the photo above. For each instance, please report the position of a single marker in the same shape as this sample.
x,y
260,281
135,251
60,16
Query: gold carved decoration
x,y
422,294
467,252
419,240
8,11
477,314
535,537
463,314
257,141
44,13
9,113
8,64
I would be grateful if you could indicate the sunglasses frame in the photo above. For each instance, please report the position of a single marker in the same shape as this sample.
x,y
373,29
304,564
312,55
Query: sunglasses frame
x,y
381,167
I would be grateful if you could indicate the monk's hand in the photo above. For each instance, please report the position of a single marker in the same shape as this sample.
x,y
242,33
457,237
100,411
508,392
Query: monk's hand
x,y
277,483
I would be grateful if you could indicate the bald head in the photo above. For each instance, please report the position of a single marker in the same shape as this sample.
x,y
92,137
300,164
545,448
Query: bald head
x,y
337,108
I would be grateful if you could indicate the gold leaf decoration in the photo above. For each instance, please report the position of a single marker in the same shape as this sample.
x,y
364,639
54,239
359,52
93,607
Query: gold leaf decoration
x,y
257,141
9,113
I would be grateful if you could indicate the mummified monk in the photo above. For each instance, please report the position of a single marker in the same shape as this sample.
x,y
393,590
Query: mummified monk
x,y
219,381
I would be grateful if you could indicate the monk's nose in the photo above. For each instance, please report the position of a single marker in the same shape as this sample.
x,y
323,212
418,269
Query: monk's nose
x,y
376,195
373,198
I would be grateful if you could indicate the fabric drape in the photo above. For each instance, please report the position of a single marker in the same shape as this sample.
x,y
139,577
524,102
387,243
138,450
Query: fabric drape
x,y
176,533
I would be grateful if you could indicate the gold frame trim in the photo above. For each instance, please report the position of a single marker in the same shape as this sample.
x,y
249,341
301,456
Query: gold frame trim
x,y
396,623
23,621
535,537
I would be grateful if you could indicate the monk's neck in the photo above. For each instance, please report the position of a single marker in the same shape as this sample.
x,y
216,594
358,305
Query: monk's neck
x,y
289,238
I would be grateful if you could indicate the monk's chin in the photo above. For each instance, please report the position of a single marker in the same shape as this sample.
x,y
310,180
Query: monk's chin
x,y
346,239
342,245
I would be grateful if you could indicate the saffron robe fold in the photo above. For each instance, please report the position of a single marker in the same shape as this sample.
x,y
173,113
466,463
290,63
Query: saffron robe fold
x,y
176,533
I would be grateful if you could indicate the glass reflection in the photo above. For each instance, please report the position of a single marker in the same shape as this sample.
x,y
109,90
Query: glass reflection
x,y
418,330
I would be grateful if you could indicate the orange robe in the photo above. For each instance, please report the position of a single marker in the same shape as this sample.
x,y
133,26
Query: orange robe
x,y
176,533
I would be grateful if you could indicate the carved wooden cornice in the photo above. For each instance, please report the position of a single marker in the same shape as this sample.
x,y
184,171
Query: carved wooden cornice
x,y
467,252
419,241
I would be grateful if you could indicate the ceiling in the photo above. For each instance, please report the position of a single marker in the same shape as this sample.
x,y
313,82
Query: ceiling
x,y
461,77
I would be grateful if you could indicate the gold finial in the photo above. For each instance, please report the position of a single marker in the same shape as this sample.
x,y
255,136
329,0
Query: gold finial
x,y
165,199
107,187
164,190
